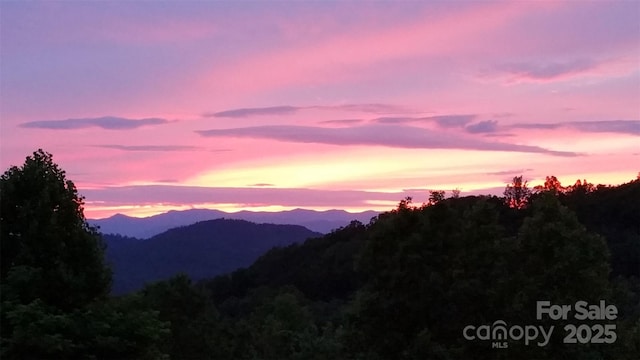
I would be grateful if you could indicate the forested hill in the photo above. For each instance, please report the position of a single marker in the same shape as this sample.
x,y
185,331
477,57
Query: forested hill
x,y
325,268
407,285
204,249
613,212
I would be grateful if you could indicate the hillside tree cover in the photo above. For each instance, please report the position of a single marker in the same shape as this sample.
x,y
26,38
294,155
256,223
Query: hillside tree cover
x,y
400,287
54,280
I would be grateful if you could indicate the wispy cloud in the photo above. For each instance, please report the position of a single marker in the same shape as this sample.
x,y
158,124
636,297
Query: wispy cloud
x,y
487,126
299,197
499,135
616,126
509,172
547,71
368,108
289,110
631,127
150,147
247,112
106,122
542,126
396,120
443,121
341,122
449,121
375,135
491,128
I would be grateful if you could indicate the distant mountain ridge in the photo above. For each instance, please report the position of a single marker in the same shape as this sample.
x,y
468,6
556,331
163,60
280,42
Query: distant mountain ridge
x,y
201,250
143,228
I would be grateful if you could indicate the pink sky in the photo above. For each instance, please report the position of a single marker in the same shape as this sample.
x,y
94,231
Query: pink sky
x,y
152,106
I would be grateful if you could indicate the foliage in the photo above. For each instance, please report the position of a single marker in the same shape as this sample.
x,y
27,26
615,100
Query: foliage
x,y
455,193
435,196
423,273
194,321
401,287
54,281
46,238
551,184
517,193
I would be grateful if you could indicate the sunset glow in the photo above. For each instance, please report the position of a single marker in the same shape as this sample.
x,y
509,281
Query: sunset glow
x,y
270,106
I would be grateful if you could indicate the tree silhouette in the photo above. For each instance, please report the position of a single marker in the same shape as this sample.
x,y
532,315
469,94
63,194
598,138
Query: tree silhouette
x,y
455,193
551,184
435,196
54,280
517,193
580,188
46,241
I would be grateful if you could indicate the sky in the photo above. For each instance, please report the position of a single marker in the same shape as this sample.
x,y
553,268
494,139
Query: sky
x,y
275,105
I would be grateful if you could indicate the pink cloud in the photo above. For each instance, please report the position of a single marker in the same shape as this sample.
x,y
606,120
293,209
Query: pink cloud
x,y
375,135
553,71
334,65
105,122
339,58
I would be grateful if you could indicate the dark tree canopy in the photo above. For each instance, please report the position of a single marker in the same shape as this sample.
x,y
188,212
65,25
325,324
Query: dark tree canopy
x,y
46,241
552,184
419,274
54,281
435,196
517,193
401,287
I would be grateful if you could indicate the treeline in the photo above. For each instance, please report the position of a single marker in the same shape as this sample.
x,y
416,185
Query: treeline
x,y
407,284
403,286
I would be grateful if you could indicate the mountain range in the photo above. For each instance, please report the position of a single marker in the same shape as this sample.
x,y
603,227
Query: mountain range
x,y
143,228
201,250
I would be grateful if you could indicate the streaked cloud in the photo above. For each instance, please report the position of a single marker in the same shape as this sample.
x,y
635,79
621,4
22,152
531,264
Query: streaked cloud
x,y
106,122
150,147
341,122
395,120
614,126
171,194
449,121
509,172
392,80
375,135
499,135
487,126
540,71
631,127
289,110
540,126
443,121
247,112
368,108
